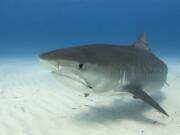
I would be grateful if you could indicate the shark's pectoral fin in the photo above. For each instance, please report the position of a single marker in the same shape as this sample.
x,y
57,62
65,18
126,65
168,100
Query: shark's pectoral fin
x,y
138,93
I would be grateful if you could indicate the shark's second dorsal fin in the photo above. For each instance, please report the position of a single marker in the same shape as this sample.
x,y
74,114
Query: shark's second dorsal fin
x,y
141,42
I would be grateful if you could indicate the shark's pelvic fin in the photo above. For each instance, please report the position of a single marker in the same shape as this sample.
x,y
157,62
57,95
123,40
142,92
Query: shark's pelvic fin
x,y
138,93
141,42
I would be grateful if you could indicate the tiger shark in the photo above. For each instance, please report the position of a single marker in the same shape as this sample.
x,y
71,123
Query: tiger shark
x,y
112,69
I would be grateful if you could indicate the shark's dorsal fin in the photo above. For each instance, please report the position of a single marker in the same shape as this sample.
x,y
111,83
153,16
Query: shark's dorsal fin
x,y
141,42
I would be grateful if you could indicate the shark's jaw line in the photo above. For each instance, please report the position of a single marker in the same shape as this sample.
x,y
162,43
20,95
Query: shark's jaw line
x,y
58,70
71,76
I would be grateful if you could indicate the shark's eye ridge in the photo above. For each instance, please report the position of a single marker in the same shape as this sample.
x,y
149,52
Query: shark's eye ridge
x,y
81,65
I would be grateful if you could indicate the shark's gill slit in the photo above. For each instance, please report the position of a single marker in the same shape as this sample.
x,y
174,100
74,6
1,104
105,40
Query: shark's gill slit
x,y
122,77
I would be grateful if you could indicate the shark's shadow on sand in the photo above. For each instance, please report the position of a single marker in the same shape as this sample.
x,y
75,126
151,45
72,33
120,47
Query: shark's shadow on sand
x,y
120,110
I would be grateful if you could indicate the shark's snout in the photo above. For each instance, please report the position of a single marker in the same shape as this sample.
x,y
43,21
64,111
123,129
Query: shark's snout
x,y
44,56
45,59
53,55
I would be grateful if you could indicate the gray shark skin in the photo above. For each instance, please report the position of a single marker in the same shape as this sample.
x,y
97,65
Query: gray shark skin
x,y
112,69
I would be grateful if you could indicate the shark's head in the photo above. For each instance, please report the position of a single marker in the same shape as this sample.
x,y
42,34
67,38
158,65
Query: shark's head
x,y
75,64
68,58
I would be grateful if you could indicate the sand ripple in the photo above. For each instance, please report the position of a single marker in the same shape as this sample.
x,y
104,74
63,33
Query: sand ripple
x,y
32,102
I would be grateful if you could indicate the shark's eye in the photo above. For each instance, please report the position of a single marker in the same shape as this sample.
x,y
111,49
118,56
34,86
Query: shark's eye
x,y
81,66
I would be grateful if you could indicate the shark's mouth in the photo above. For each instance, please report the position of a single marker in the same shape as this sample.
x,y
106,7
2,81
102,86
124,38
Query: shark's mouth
x,y
64,72
70,76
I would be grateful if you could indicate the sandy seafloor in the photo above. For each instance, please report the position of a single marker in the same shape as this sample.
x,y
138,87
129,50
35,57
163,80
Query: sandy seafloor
x,y
33,102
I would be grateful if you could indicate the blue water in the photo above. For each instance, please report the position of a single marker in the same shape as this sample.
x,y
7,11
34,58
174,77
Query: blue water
x,y
29,27
33,102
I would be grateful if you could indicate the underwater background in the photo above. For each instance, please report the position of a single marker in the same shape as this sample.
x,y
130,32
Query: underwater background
x,y
28,27
33,102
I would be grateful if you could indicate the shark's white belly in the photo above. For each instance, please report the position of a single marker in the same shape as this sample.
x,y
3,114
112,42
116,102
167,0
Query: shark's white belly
x,y
102,86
